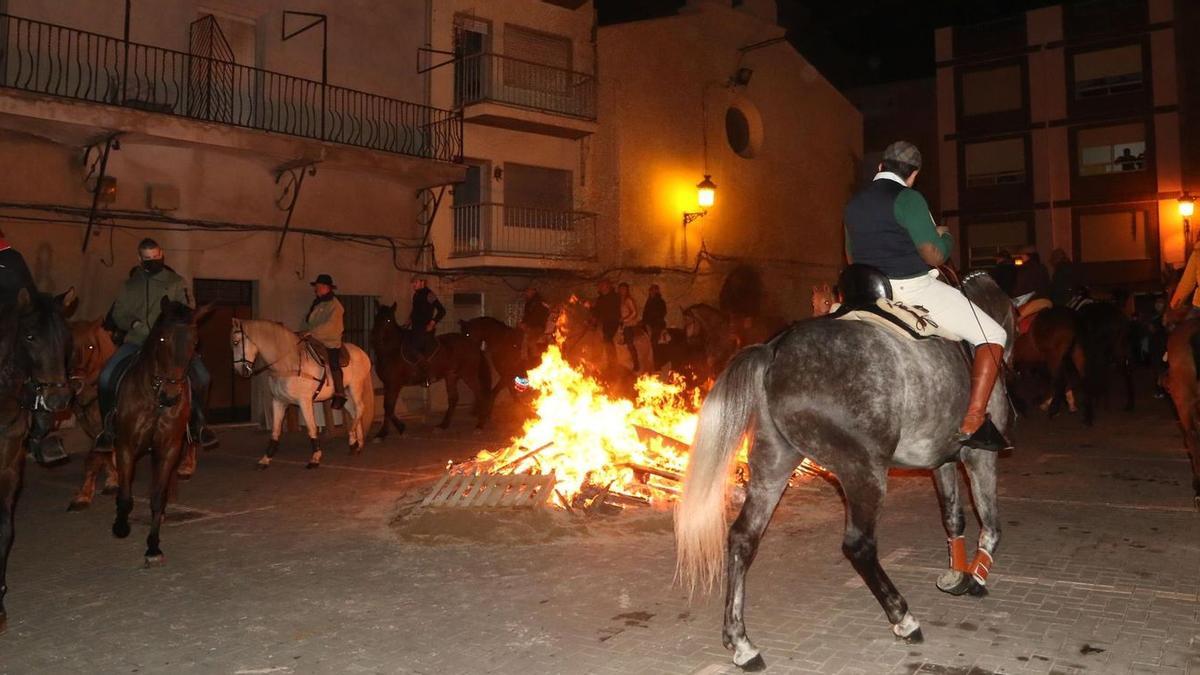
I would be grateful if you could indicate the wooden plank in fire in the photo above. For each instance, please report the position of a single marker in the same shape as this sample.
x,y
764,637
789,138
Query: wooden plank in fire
x,y
646,433
484,490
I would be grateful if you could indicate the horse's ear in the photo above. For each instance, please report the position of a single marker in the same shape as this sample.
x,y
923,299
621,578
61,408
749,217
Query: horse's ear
x,y
67,302
236,323
201,315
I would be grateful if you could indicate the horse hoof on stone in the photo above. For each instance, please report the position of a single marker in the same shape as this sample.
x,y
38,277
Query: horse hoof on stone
x,y
976,589
377,440
157,560
954,583
121,529
313,465
1197,500
754,665
78,505
914,638
110,490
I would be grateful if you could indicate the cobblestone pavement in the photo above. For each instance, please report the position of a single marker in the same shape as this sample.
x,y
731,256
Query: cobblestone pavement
x,y
295,571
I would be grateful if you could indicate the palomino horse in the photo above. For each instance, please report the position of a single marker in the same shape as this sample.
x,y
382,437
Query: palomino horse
x,y
93,346
831,391
501,344
296,378
154,400
34,343
457,357
1183,346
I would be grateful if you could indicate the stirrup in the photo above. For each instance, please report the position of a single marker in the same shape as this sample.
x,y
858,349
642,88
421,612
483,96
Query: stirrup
x,y
338,402
986,437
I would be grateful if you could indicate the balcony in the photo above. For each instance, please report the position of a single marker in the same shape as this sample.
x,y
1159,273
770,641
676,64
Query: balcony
x,y
503,231
52,60
511,93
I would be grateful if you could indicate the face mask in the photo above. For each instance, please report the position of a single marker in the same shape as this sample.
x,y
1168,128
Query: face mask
x,y
152,266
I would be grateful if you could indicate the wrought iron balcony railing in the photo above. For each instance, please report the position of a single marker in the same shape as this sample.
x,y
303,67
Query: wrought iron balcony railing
x,y
49,59
492,77
496,229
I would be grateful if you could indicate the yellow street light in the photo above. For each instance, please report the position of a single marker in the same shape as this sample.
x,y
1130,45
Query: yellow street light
x,y
1187,205
706,192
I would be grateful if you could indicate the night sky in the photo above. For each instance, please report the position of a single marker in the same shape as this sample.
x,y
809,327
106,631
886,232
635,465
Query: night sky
x,y
855,42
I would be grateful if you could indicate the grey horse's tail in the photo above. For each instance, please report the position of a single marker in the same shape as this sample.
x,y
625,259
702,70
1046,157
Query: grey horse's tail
x,y
726,417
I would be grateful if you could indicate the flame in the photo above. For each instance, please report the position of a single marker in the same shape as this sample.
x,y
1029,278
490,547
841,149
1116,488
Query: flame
x,y
590,438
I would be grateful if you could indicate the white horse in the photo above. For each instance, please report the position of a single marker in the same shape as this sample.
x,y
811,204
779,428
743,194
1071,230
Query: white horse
x,y
294,379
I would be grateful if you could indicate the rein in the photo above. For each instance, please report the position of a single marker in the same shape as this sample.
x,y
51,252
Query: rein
x,y
254,372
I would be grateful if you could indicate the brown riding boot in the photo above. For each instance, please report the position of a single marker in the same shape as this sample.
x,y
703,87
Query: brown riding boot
x,y
977,430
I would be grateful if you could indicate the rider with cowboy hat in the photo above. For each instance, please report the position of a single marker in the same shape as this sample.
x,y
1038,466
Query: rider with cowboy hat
x,y
889,227
324,324
130,319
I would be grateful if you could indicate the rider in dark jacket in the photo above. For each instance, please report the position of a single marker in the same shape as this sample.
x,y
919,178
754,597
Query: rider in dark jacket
x,y
423,319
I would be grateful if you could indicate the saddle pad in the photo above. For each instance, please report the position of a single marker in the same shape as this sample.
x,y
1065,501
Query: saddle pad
x,y
910,322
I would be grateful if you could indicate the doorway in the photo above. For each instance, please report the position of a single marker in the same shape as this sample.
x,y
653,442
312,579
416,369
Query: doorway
x,y
229,396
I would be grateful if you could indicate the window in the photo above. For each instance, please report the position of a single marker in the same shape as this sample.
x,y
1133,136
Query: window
x,y
992,90
1108,71
530,52
744,128
986,240
359,318
467,305
537,196
1110,237
1108,150
995,162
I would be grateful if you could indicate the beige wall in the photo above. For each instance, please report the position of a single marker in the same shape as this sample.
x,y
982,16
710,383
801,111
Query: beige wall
x,y
782,206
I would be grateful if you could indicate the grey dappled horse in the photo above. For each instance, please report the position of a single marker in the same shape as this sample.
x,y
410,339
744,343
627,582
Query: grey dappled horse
x,y
856,399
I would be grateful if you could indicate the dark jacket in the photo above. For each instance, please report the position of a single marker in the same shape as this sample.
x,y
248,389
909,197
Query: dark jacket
x,y
138,305
607,311
1067,283
14,274
536,313
1032,277
425,308
654,313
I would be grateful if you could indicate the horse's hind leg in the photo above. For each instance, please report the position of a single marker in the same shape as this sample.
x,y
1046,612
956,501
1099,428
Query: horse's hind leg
x,y
864,493
772,461
981,469
12,456
92,465
126,461
314,436
955,579
451,382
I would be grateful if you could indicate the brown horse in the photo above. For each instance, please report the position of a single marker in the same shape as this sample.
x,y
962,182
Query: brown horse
x,y
34,342
457,357
501,345
1183,346
92,347
1053,344
1105,342
583,346
154,401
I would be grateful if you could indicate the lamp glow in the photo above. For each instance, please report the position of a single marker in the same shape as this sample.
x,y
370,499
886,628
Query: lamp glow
x,y
1187,206
706,192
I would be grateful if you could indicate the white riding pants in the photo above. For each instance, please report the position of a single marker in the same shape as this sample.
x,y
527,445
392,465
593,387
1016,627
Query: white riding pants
x,y
949,309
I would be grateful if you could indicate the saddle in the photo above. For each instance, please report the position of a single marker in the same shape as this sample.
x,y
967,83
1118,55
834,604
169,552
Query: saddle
x,y
867,296
319,353
1027,310
416,347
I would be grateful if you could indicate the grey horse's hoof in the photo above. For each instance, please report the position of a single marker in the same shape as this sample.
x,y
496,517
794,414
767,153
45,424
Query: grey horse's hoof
x,y
953,582
914,638
754,665
155,560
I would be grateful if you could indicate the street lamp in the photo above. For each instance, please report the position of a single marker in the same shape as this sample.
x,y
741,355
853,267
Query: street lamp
x,y
706,195
1187,207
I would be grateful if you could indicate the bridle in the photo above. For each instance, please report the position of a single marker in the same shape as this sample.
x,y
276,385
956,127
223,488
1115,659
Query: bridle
x,y
242,359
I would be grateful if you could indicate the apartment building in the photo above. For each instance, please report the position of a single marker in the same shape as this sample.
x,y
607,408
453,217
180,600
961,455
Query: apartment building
x,y
1064,127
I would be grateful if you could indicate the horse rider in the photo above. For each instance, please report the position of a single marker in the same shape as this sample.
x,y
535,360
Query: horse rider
x,y
1067,283
534,316
324,325
130,319
423,319
15,276
629,321
889,227
654,313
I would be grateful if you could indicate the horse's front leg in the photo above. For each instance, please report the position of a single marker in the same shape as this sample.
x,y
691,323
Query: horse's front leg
x,y
314,439
451,381
12,459
278,411
772,461
955,579
92,465
981,469
165,461
126,457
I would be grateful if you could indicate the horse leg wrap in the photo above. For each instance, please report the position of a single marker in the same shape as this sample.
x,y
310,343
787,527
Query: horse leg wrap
x,y
958,553
981,566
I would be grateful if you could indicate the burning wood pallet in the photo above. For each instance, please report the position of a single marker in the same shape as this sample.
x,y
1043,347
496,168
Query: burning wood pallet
x,y
487,490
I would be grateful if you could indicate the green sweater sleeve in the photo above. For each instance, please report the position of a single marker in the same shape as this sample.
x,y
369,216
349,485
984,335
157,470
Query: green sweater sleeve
x,y
913,213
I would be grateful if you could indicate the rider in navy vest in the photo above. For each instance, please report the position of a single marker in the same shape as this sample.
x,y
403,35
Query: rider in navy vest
x,y
423,319
889,227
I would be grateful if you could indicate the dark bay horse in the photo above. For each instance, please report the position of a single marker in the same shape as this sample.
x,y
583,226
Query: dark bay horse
x,y
34,343
457,358
721,335
1105,342
1183,346
855,399
1053,345
154,400
501,344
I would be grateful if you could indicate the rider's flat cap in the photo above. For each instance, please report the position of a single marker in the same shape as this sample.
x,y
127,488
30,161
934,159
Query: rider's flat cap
x,y
905,152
